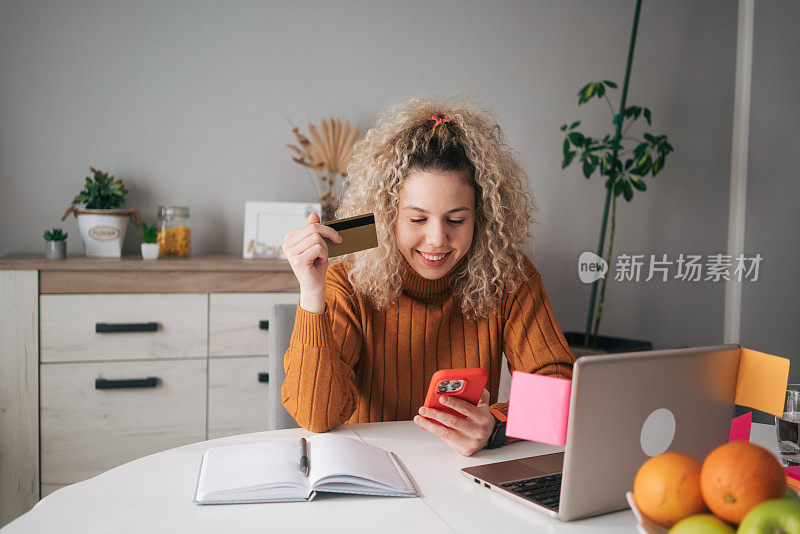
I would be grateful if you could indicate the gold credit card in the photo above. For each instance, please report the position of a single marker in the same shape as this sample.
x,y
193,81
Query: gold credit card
x,y
358,233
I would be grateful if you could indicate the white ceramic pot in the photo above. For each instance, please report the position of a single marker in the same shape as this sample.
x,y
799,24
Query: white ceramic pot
x,y
150,251
103,232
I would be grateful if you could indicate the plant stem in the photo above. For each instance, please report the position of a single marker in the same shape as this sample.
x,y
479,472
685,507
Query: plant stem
x,y
608,261
628,127
617,136
600,247
610,107
315,182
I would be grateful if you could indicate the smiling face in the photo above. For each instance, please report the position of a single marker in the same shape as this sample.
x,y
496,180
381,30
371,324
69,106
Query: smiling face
x,y
435,221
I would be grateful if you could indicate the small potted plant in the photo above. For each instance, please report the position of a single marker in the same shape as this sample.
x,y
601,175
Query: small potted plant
x,y
102,220
150,246
55,244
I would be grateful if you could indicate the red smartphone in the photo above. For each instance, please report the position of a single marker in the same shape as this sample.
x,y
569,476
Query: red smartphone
x,y
466,384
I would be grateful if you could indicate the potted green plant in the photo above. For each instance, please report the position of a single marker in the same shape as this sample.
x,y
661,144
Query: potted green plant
x,y
150,246
624,160
102,220
55,244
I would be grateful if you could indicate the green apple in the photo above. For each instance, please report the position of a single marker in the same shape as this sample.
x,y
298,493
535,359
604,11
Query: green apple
x,y
702,524
791,494
772,517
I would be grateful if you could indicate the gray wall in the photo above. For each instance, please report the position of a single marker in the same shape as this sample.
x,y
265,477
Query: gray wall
x,y
770,315
188,102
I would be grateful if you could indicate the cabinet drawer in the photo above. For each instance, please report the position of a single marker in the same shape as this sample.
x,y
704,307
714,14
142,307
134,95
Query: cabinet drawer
x,y
85,431
237,322
237,401
104,327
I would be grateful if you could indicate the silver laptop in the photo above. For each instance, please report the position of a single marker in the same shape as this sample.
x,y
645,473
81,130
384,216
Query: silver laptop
x,y
622,405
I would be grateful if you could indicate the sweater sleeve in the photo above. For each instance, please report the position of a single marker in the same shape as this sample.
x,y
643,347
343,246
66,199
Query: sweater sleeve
x,y
320,386
532,340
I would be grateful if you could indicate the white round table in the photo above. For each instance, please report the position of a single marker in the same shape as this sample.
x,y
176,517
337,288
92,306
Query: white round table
x,y
154,494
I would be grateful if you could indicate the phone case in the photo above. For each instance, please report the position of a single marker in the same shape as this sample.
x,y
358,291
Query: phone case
x,y
473,382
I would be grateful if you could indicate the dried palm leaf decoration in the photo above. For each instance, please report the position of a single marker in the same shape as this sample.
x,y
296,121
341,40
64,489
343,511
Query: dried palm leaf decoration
x,y
327,154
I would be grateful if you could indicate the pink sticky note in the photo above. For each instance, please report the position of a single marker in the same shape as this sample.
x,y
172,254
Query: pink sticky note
x,y
793,472
740,427
538,408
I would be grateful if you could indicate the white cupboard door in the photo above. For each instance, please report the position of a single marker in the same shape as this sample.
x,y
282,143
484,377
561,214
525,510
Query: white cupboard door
x,y
92,421
237,396
239,322
114,327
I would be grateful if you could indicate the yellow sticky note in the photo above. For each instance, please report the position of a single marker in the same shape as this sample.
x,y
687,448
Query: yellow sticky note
x,y
762,381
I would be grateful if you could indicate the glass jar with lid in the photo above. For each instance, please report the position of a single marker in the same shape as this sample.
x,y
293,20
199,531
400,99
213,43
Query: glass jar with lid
x,y
173,230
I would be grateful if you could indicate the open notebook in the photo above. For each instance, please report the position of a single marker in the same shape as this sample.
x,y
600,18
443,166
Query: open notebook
x,y
269,472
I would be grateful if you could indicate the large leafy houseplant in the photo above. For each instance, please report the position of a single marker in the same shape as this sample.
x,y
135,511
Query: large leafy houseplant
x,y
624,160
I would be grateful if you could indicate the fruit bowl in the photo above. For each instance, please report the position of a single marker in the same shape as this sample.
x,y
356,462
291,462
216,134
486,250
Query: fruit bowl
x,y
643,525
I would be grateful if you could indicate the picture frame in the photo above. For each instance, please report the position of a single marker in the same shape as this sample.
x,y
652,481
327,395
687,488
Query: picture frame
x,y
266,223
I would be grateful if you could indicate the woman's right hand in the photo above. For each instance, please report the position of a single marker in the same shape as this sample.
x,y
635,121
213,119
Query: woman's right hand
x,y
307,253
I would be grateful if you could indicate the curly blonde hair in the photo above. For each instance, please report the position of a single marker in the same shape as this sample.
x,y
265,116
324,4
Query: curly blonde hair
x,y
404,139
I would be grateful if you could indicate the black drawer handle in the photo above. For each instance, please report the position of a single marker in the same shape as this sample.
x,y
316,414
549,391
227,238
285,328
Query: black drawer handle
x,y
263,325
110,328
126,383
263,378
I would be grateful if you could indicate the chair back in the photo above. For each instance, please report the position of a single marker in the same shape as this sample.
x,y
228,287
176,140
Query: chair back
x,y
280,332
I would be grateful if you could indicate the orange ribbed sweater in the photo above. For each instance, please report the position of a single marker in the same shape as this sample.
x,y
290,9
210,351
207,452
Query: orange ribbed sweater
x,y
355,364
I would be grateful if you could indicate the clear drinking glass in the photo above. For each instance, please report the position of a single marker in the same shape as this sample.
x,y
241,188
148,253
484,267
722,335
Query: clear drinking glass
x,y
787,427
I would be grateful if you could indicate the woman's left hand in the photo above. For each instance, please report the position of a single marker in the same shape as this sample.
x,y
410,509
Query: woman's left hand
x,y
467,435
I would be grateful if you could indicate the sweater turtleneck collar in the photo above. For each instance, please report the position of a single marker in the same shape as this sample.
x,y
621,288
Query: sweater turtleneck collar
x,y
417,287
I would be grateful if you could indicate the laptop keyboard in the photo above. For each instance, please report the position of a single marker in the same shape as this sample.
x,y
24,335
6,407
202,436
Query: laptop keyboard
x,y
545,491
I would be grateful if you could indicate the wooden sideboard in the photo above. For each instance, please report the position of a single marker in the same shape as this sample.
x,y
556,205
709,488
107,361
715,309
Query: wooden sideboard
x,y
106,360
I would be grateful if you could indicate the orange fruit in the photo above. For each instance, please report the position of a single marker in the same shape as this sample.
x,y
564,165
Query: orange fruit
x,y
667,488
737,476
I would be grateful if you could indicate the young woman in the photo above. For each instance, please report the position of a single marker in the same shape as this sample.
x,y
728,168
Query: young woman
x,y
447,287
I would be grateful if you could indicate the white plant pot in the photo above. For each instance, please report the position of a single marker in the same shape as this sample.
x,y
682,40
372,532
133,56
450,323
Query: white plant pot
x,y
102,233
150,251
